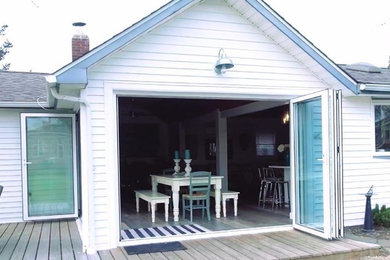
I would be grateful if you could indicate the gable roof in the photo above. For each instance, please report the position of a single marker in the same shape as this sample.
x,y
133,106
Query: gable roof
x,y
76,72
22,89
368,74
371,79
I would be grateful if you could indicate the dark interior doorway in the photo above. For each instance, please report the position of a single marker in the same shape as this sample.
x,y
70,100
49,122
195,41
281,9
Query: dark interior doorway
x,y
150,132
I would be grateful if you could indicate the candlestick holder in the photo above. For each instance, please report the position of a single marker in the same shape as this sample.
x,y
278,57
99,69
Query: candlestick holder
x,y
177,166
188,167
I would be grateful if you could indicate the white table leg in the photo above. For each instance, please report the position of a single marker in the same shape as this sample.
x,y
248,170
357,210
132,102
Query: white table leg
x,y
217,188
166,211
224,207
175,199
153,211
235,206
137,203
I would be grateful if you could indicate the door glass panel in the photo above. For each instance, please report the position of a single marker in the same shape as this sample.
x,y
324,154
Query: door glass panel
x,y
50,181
309,167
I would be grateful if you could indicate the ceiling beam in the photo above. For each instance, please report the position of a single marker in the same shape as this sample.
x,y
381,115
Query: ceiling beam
x,y
252,108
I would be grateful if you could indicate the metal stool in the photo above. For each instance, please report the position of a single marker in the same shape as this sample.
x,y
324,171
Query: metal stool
x,y
267,184
277,197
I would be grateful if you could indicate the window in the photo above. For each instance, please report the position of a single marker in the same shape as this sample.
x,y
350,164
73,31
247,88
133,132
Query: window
x,y
265,144
382,127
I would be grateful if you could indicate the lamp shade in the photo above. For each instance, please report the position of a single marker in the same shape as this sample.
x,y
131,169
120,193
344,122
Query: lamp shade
x,y
223,63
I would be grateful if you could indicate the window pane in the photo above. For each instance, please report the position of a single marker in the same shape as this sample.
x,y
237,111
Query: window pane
x,y
309,167
50,174
382,128
265,144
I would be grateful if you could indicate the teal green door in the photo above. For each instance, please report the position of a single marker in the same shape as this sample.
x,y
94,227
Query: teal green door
x,y
48,165
316,164
309,169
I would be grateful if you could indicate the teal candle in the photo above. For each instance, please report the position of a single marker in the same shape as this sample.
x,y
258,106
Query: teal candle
x,y
176,154
187,154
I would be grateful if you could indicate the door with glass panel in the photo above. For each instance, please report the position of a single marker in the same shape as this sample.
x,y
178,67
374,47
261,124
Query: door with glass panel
x,y
317,164
48,166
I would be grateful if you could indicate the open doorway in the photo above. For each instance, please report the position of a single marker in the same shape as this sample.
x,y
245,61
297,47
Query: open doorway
x,y
151,129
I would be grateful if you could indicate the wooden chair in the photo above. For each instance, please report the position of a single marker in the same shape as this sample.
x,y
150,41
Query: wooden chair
x,y
199,192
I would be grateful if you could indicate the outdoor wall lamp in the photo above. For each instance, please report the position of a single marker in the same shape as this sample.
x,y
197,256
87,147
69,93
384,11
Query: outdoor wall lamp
x,y
223,63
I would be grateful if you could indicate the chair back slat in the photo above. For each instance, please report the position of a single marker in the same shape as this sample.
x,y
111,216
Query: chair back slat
x,y
268,173
200,182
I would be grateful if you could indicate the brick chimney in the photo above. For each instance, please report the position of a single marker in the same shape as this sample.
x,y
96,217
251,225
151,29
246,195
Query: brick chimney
x,y
80,42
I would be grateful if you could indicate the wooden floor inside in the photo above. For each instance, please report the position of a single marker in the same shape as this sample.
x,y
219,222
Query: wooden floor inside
x,y
249,216
61,240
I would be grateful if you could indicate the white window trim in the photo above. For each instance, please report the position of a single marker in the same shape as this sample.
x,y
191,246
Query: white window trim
x,y
373,104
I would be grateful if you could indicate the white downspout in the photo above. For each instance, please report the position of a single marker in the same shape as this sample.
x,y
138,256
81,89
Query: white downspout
x,y
88,234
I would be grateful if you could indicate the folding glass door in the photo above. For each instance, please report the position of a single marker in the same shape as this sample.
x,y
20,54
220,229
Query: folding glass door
x,y
48,166
316,164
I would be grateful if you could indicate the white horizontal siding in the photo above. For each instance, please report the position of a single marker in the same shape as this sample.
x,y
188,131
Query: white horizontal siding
x,y
361,168
282,40
180,55
10,167
183,51
94,93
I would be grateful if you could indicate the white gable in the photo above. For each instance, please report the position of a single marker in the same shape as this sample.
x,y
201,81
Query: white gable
x,y
182,52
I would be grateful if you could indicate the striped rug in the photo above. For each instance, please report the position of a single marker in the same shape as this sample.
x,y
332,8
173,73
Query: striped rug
x,y
162,231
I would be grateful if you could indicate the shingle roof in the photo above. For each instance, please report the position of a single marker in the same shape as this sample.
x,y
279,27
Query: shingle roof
x,y
22,87
368,74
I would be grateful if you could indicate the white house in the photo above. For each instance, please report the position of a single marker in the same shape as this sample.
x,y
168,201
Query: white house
x,y
81,142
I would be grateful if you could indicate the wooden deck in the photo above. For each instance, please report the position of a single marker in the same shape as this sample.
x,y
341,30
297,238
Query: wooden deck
x,y
61,240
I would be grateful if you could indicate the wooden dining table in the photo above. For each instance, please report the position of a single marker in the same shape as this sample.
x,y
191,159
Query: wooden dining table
x,y
177,181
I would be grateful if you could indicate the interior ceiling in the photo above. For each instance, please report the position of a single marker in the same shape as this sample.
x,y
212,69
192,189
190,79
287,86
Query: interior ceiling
x,y
171,110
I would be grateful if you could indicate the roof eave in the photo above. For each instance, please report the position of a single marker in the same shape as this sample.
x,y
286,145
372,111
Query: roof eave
x,y
24,105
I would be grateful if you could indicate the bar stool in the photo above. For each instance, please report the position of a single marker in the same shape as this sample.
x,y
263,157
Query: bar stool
x,y
267,184
277,197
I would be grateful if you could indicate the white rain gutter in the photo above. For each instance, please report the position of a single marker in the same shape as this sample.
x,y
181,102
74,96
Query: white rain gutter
x,y
88,234
375,87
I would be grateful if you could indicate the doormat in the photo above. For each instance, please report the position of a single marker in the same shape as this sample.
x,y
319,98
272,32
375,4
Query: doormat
x,y
165,231
154,248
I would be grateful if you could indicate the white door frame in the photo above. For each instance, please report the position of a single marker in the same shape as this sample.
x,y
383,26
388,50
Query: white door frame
x,y
112,91
332,163
23,125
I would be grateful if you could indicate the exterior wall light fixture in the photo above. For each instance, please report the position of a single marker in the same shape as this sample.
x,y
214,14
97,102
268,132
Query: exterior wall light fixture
x,y
223,63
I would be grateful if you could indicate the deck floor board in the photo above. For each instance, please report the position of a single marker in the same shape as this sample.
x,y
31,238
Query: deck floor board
x,y
12,241
60,239
32,247
20,248
6,236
